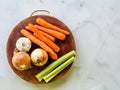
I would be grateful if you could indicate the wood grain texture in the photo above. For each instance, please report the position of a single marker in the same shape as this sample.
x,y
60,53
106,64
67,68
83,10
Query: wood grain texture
x,y
65,46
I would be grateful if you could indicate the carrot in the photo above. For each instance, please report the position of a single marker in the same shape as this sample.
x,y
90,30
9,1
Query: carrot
x,y
45,34
40,36
56,34
28,28
39,43
47,41
46,24
48,36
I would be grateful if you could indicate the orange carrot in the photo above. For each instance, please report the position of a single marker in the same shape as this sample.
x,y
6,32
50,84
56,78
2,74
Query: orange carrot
x,y
56,34
31,28
46,24
28,28
45,34
40,36
48,36
47,41
39,43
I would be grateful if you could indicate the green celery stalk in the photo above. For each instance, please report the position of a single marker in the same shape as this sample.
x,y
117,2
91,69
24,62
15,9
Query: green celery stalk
x,y
53,65
53,73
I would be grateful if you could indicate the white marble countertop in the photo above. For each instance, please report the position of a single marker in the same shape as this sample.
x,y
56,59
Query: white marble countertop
x,y
96,28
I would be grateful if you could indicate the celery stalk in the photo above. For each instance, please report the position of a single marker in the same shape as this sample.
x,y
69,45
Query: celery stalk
x,y
53,73
53,65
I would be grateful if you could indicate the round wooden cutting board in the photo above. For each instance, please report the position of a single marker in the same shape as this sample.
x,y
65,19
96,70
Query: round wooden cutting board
x,y
65,46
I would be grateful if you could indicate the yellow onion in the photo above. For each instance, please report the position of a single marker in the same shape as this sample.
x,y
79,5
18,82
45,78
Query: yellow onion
x,y
21,60
39,57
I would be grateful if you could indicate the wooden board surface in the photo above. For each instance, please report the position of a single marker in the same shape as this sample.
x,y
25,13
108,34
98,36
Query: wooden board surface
x,y
29,75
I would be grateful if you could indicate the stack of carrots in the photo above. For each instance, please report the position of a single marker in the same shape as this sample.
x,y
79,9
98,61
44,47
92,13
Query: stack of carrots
x,y
44,35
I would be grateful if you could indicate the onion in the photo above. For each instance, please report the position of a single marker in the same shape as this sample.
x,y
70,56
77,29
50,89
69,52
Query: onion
x,y
21,61
39,57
